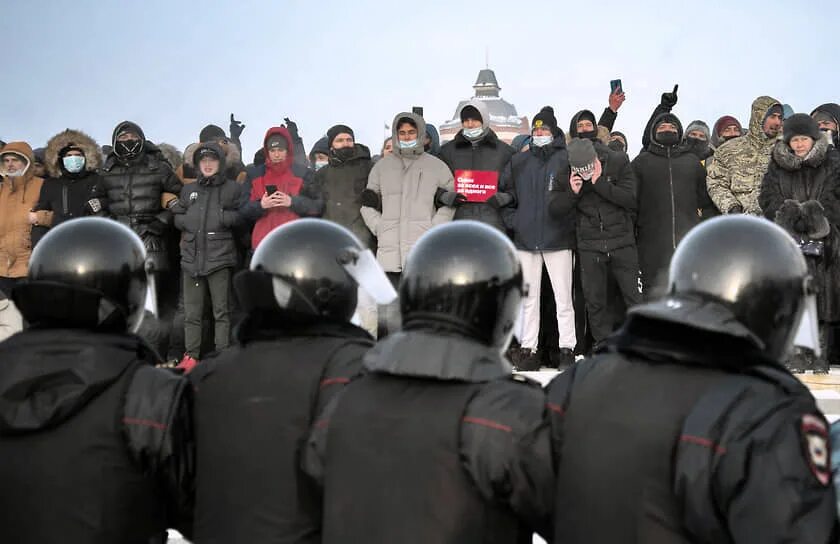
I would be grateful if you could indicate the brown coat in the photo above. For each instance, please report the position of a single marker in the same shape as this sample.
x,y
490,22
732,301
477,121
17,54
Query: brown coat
x,y
17,197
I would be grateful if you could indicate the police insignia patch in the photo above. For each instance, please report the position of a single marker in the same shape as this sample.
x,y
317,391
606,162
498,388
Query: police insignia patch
x,y
815,434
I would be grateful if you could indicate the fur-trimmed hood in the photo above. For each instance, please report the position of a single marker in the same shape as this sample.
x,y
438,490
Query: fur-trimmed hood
x,y
172,155
70,138
784,156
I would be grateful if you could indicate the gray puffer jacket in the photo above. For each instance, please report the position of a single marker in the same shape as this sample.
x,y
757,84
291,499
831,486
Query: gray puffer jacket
x,y
406,182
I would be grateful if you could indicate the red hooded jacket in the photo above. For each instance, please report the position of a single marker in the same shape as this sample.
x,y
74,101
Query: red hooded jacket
x,y
282,177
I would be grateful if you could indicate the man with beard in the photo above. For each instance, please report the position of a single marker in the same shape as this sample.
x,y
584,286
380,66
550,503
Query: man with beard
x,y
734,177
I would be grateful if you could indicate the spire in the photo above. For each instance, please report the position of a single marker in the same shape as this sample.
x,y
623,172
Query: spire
x,y
486,84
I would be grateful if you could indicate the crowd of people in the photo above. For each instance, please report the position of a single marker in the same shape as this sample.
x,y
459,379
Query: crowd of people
x,y
594,230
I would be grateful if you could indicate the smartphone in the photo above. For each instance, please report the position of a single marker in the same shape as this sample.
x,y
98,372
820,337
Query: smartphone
x,y
418,110
270,189
615,86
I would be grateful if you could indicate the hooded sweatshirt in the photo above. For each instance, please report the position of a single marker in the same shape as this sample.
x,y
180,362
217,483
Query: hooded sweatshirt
x,y
18,196
406,181
734,177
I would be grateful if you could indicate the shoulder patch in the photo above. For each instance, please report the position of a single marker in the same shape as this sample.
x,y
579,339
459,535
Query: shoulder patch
x,y
816,446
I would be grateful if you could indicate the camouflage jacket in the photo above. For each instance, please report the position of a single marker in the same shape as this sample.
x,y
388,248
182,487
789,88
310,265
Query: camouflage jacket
x,y
734,177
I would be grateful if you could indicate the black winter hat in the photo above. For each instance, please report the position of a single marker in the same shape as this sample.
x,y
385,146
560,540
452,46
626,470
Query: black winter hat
x,y
801,124
210,133
470,112
333,133
546,118
321,146
210,150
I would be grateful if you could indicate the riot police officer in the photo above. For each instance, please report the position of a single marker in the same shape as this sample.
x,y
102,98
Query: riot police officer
x,y
255,403
95,442
438,442
688,428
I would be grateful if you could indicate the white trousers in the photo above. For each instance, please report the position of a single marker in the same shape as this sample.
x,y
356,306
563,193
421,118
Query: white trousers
x,y
559,265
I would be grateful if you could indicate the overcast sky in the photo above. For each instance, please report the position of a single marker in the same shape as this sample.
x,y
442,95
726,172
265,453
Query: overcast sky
x,y
174,66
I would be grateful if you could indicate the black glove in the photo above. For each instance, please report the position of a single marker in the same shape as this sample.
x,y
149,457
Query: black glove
x,y
451,199
737,208
371,200
669,100
500,200
156,227
236,128
292,127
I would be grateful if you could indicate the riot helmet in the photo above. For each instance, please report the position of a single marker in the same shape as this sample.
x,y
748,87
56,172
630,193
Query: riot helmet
x,y
753,268
464,276
311,268
86,273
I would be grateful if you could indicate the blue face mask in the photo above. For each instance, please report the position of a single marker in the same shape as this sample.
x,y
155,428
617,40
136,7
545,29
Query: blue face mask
x,y
473,133
73,163
411,144
540,141
320,164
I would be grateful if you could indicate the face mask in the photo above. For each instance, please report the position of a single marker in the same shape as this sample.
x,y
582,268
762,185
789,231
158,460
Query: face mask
x,y
667,138
540,141
73,163
473,133
588,135
128,148
16,174
727,138
616,145
410,144
344,154
320,164
697,143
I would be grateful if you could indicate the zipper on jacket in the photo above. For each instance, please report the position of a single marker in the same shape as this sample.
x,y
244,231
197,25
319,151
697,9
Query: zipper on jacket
x,y
673,202
64,204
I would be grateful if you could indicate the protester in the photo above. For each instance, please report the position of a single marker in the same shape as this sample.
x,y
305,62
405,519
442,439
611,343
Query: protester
x,y
399,203
206,215
827,117
540,238
696,139
319,155
618,141
734,177
672,198
278,194
726,128
476,152
74,188
801,192
19,192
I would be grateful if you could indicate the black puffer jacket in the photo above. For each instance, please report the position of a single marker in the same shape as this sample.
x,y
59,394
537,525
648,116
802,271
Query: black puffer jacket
x,y
207,213
529,177
488,154
341,184
672,198
503,439
817,177
605,211
134,191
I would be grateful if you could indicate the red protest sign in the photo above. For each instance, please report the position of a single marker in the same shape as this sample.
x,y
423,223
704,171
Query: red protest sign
x,y
476,185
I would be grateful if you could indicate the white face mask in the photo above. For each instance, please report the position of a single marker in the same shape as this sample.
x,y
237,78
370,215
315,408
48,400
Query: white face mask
x,y
540,141
473,133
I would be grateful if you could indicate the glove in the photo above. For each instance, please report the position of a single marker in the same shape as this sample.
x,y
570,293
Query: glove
x,y
669,100
236,128
93,206
451,199
500,200
292,127
371,200
737,208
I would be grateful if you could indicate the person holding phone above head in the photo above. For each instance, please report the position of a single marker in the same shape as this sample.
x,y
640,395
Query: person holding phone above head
x,y
279,195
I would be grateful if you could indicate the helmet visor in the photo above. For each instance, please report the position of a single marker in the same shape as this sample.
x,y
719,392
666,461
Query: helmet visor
x,y
363,267
808,332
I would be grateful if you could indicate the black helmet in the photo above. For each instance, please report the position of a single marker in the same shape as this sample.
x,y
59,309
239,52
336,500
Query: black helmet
x,y
301,268
89,273
464,275
752,267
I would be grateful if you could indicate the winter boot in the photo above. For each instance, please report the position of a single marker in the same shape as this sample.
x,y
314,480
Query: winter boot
x,y
797,363
562,359
528,360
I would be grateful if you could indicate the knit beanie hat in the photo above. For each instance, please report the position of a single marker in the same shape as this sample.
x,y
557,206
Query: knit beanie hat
x,y
210,133
333,133
582,157
546,118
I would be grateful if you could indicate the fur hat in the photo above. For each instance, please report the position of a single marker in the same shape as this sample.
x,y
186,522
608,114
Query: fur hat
x,y
801,124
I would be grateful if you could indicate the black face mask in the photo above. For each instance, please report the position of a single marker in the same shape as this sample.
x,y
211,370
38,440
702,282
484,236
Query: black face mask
x,y
344,154
668,138
588,135
128,149
727,138
616,145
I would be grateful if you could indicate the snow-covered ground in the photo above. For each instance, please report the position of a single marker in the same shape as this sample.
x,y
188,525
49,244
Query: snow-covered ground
x,y
823,388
